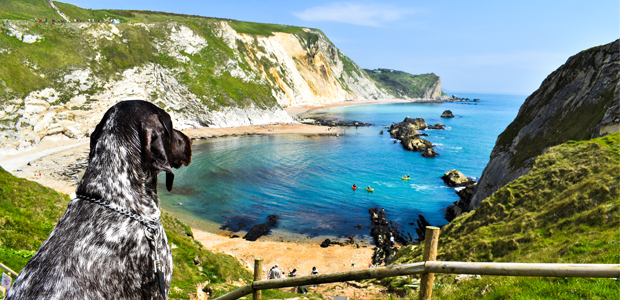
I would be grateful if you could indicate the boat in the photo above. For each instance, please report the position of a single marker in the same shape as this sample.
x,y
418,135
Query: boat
x,y
354,188
405,178
370,190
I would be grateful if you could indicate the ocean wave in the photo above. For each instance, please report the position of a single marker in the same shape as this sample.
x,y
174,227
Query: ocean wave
x,y
418,187
382,183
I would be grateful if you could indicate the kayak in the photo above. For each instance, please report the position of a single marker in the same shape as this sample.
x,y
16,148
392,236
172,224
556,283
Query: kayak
x,y
370,190
405,178
354,188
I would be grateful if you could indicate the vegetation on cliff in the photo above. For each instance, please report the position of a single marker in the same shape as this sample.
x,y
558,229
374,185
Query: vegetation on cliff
x,y
29,211
578,101
566,209
402,84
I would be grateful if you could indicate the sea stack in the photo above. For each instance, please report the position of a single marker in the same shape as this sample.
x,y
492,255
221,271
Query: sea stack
x,y
447,114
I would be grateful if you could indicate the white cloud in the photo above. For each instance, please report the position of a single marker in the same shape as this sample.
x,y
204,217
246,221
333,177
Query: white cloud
x,y
374,15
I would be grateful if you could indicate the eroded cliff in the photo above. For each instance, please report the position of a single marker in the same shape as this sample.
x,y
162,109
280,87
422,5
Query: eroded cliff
x,y
578,101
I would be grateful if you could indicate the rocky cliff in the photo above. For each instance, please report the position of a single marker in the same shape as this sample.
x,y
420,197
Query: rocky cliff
x,y
59,78
408,86
578,101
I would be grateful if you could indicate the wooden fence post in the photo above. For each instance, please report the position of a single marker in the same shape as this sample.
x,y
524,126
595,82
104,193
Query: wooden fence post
x,y
258,274
430,254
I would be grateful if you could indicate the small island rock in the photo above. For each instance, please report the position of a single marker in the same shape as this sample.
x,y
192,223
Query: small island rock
x,y
430,153
447,114
454,178
416,144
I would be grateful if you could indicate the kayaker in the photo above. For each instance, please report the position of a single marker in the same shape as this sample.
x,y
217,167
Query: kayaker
x,y
368,188
354,186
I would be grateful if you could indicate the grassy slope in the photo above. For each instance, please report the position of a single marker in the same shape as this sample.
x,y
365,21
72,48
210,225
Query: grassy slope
x,y
26,10
28,212
565,210
402,83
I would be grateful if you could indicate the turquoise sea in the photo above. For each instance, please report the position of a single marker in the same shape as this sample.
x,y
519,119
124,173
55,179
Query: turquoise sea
x,y
306,180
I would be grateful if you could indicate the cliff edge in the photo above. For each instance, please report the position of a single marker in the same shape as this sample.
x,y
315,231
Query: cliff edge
x,y
578,101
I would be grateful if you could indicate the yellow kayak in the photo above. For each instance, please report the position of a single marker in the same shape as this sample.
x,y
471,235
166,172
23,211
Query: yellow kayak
x,y
370,190
405,178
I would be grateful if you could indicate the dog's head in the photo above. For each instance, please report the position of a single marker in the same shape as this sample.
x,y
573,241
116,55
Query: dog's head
x,y
140,125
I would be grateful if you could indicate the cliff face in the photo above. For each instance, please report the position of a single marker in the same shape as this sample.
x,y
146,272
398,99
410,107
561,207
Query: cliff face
x,y
578,101
408,86
61,78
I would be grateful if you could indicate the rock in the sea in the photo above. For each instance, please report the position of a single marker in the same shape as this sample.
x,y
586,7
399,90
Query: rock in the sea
x,y
430,153
256,232
381,132
326,243
407,128
447,114
454,178
416,144
438,126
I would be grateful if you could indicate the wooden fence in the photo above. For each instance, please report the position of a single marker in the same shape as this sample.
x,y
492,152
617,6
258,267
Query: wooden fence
x,y
428,268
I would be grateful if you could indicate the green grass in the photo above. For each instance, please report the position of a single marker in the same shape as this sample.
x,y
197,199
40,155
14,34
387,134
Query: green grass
x,y
263,29
402,83
29,211
566,209
26,10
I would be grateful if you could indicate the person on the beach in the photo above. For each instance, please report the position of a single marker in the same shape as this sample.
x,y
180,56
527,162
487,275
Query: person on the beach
x,y
293,273
314,271
275,273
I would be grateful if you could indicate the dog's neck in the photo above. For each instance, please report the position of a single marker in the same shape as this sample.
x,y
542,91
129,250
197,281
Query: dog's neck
x,y
116,174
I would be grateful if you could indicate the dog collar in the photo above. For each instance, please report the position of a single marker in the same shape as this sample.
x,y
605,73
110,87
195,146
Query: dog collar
x,y
149,223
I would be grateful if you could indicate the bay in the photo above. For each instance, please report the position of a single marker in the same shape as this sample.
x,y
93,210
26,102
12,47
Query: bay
x,y
306,180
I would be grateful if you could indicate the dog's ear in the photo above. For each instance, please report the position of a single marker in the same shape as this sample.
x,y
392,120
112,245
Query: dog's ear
x,y
156,147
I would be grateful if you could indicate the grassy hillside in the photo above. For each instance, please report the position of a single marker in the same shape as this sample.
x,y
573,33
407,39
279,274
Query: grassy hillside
x,y
565,210
401,83
26,10
29,211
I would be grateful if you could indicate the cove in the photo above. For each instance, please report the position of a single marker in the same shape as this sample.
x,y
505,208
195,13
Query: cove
x,y
306,180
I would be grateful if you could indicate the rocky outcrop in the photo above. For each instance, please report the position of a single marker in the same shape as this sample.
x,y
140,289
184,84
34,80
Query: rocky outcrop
x,y
462,205
454,178
408,128
416,144
430,153
437,126
261,229
447,114
578,101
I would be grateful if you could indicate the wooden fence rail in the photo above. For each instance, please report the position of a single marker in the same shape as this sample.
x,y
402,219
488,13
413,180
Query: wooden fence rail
x,y
13,273
449,267
429,267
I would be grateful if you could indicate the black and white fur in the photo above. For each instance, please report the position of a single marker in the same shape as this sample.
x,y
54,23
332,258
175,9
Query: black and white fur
x,y
95,252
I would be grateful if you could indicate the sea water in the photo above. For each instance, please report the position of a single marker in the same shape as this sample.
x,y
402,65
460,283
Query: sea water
x,y
306,180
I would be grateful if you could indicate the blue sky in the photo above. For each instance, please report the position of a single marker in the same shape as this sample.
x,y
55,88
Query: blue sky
x,y
475,46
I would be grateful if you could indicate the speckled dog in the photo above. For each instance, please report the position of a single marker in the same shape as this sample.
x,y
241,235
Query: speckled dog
x,y
108,242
